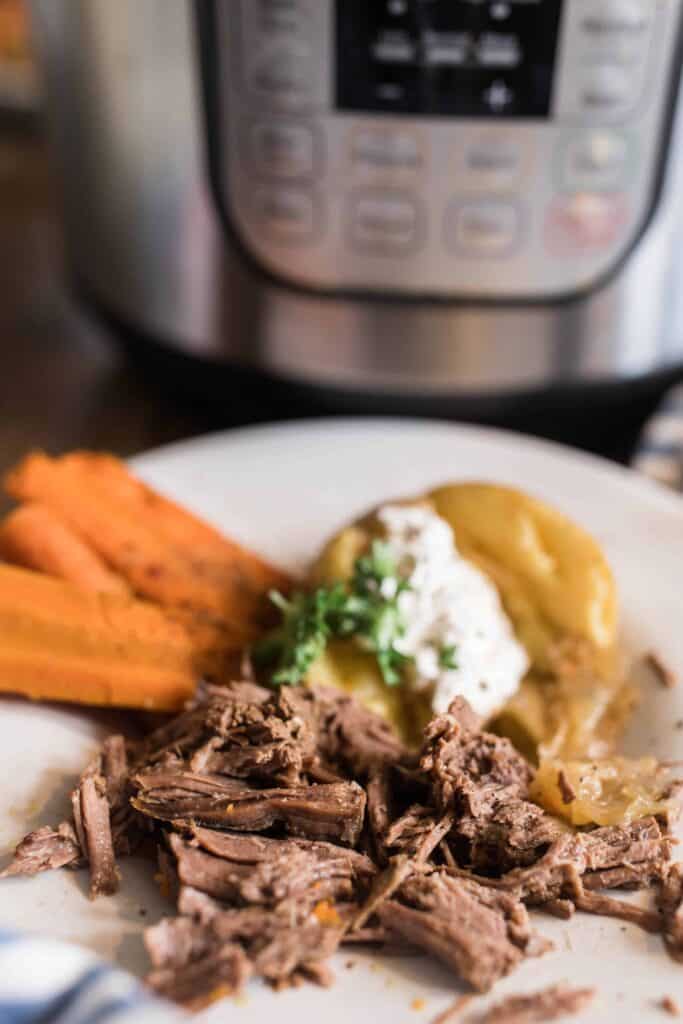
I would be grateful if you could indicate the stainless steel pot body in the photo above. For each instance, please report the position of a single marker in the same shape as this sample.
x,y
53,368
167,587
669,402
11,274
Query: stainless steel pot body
x,y
146,239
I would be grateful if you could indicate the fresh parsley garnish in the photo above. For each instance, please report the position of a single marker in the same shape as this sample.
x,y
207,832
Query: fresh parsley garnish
x,y
366,608
303,635
448,656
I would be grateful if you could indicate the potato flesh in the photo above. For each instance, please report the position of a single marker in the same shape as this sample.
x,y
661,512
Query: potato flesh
x,y
567,716
613,791
344,666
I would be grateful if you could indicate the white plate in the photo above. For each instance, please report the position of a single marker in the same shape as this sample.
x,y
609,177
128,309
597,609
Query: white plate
x,y
283,489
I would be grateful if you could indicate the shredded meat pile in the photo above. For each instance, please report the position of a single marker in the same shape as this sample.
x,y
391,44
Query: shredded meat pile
x,y
289,823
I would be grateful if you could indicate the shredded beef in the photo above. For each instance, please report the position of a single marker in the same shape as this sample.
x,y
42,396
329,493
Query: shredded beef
x,y
274,740
104,876
537,1007
291,937
249,870
378,791
467,768
417,834
480,934
640,843
335,811
44,850
270,738
607,906
259,849
628,876
670,904
287,823
218,971
350,735
511,833
102,825
416,826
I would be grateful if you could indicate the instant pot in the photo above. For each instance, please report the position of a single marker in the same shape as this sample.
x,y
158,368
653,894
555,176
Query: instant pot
x,y
434,201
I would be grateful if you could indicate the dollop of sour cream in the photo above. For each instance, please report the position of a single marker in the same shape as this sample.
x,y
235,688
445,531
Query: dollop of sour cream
x,y
450,606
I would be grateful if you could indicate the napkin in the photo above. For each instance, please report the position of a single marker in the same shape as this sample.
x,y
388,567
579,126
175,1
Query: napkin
x,y
47,982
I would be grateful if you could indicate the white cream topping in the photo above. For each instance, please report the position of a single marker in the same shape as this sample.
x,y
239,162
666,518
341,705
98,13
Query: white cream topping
x,y
450,605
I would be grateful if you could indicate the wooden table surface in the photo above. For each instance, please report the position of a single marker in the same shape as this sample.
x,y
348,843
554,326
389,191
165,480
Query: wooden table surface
x,y
63,381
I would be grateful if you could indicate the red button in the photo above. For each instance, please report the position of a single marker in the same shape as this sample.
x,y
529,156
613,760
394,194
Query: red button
x,y
585,222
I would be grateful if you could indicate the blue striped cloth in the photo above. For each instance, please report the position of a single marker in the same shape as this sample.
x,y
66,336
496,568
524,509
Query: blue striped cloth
x,y
660,452
48,982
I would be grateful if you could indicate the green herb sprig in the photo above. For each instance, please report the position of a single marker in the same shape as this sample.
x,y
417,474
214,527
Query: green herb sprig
x,y
366,608
448,657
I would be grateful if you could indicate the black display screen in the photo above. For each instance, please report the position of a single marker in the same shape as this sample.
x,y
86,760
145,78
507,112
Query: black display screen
x,y
465,58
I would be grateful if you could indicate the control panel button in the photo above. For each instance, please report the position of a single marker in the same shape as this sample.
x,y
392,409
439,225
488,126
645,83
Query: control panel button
x,y
283,150
384,223
585,222
625,51
617,17
280,51
287,214
492,161
282,76
484,228
607,61
607,90
596,161
616,31
279,15
385,150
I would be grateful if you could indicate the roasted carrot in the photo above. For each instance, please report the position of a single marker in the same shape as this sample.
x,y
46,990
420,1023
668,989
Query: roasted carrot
x,y
60,642
164,552
33,536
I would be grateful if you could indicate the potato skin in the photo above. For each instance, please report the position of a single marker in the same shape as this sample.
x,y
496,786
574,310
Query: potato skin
x,y
336,560
553,577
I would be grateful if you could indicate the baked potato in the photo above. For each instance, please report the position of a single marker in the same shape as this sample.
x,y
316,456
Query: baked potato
x,y
559,593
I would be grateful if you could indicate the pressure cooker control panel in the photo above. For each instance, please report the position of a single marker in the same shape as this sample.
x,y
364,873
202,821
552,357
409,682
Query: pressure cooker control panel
x,y
457,148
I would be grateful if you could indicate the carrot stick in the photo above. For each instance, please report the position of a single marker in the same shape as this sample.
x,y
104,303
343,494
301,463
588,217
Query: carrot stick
x,y
60,642
34,537
164,552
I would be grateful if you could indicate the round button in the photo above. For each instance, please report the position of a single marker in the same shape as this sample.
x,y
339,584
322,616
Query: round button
x,y
483,228
597,161
585,222
287,214
383,222
282,76
282,149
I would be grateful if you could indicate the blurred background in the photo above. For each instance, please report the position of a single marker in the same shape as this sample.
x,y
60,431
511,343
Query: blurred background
x,y
217,214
